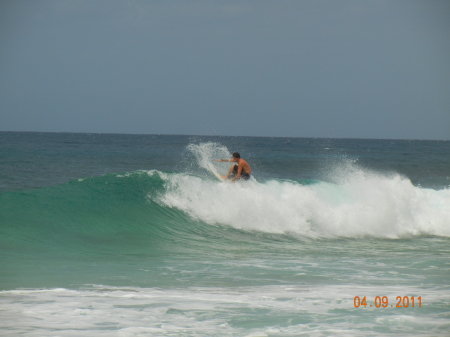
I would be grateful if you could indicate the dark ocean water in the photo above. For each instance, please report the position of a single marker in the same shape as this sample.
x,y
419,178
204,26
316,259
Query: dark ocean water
x,y
131,235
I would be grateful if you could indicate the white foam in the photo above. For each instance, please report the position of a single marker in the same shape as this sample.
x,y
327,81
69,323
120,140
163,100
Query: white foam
x,y
356,203
293,310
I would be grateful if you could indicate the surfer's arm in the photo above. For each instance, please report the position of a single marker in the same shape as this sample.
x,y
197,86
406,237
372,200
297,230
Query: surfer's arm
x,y
227,160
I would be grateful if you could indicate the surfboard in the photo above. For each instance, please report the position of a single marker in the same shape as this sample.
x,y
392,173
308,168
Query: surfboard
x,y
213,171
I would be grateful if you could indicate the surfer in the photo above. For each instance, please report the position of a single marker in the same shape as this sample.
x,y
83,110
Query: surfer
x,y
240,171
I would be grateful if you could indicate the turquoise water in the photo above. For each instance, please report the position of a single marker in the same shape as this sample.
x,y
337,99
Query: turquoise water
x,y
130,235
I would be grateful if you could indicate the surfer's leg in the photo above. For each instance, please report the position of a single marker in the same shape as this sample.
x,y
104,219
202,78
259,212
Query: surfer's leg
x,y
232,171
245,176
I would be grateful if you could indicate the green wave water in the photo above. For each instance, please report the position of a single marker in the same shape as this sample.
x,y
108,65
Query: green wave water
x,y
127,223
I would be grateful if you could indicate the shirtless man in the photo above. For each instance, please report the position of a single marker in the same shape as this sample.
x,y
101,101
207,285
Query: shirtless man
x,y
240,171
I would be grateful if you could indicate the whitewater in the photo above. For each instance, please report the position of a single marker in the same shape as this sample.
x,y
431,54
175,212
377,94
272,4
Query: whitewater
x,y
131,235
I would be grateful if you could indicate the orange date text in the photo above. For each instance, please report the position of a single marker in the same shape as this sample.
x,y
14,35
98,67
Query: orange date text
x,y
383,302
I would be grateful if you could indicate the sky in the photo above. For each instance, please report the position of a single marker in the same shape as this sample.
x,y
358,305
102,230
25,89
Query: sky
x,y
291,68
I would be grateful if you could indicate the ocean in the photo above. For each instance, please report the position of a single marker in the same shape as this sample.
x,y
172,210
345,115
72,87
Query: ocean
x,y
131,235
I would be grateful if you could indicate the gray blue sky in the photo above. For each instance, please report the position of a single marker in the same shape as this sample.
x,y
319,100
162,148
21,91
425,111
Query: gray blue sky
x,y
346,69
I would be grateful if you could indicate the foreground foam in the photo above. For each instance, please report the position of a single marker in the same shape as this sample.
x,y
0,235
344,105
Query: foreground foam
x,y
245,311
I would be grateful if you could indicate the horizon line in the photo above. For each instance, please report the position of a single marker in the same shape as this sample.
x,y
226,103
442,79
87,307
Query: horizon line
x,y
241,136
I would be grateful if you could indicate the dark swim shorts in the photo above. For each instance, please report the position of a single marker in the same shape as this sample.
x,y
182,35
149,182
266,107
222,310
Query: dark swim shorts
x,y
244,175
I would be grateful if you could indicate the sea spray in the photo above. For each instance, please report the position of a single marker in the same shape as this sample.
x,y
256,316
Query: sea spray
x,y
206,153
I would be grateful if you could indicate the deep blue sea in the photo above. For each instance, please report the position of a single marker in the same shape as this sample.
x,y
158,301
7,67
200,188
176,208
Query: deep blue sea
x,y
131,235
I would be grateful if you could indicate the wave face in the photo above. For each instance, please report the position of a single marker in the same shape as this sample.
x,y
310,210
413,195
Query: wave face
x,y
355,202
161,206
